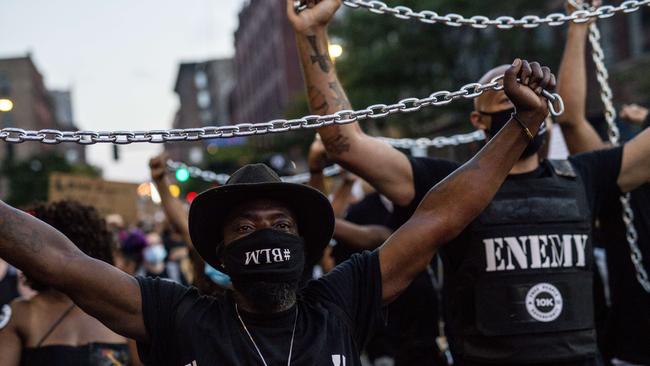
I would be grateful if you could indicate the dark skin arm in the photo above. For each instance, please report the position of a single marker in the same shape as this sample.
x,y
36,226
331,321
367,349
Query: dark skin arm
x,y
578,133
360,236
11,343
390,172
454,202
48,257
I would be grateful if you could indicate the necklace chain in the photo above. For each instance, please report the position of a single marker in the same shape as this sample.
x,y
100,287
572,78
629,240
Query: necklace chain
x,y
293,333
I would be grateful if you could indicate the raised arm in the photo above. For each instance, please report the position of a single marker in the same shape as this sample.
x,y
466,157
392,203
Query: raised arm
x,y
388,170
578,133
48,257
360,236
173,208
453,203
635,167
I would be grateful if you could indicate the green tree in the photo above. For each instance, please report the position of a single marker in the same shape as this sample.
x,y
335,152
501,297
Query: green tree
x,y
386,59
28,179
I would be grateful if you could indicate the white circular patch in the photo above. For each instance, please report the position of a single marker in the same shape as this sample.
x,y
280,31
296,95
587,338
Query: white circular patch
x,y
544,302
5,316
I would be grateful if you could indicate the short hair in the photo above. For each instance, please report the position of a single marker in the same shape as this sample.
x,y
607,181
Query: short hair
x,y
488,76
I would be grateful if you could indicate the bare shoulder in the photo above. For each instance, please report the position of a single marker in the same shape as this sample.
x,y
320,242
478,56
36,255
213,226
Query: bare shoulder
x,y
15,314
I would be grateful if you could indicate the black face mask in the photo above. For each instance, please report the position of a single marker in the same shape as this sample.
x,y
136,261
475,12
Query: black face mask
x,y
265,255
499,119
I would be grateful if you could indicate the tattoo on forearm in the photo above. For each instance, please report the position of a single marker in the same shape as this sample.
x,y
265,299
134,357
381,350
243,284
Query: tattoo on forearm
x,y
336,144
317,100
322,59
340,100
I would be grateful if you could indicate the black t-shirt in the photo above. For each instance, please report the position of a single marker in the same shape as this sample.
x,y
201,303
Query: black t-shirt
x,y
335,316
599,171
628,327
8,287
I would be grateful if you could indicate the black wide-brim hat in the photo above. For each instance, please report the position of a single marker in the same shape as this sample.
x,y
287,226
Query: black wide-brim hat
x,y
313,211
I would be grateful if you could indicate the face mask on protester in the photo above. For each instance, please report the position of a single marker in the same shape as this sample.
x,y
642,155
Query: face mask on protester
x,y
154,254
500,118
265,255
217,276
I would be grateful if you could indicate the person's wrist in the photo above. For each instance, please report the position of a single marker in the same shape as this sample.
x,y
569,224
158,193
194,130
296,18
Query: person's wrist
x,y
319,29
532,119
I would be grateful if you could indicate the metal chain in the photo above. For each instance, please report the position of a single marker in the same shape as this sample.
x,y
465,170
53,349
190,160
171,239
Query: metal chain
x,y
437,142
407,105
606,95
502,22
406,143
212,177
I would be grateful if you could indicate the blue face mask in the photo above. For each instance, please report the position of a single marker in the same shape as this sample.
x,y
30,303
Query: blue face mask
x,y
217,276
154,254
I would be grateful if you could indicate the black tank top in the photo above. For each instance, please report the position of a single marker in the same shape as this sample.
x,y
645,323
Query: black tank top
x,y
93,354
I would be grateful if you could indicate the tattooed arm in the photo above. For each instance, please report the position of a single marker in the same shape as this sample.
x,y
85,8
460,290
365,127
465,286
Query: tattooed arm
x,y
453,203
388,170
48,257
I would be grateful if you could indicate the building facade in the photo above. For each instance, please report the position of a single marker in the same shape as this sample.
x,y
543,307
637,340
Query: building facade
x,y
203,89
268,71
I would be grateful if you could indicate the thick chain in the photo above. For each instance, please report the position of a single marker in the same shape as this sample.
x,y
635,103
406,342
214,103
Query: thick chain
x,y
502,22
407,105
598,56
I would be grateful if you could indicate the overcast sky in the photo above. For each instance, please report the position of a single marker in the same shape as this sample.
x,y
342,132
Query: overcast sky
x,y
120,58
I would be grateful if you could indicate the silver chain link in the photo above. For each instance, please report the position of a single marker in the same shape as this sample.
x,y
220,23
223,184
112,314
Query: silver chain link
x,y
212,177
407,105
406,143
437,142
502,22
606,95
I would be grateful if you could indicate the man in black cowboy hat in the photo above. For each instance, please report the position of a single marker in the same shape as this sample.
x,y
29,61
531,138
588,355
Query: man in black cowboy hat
x,y
262,232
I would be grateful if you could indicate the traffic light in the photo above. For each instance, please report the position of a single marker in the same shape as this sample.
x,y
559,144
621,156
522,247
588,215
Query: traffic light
x,y
190,196
182,175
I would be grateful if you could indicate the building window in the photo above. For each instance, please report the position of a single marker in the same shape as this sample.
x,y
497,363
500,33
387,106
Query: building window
x,y
203,99
200,79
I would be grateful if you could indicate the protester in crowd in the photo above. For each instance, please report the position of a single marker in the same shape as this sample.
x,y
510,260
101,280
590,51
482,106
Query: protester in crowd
x,y
207,279
510,300
50,329
262,231
155,263
627,330
128,257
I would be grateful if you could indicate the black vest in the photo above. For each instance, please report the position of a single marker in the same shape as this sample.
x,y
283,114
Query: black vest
x,y
522,291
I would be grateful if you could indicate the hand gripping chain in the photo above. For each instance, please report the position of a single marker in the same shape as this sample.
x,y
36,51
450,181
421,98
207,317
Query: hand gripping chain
x,y
502,22
606,95
408,105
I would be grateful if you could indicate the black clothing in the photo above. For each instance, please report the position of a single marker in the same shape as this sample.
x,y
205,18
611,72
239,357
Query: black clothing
x,y
598,172
335,315
628,328
93,354
9,287
369,211
522,292
413,317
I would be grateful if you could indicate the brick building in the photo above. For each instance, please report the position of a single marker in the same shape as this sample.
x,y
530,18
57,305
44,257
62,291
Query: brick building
x,y
266,63
33,109
203,89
